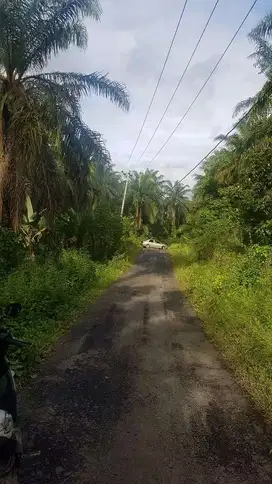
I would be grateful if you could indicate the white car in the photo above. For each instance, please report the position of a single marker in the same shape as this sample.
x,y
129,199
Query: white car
x,y
152,244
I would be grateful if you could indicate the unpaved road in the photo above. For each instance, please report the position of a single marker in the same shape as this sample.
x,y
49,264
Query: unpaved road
x,y
136,394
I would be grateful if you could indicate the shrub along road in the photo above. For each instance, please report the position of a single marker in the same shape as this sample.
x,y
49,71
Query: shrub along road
x,y
136,394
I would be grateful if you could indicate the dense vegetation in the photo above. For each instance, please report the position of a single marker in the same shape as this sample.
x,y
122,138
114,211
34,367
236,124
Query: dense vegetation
x,y
58,230
62,239
224,260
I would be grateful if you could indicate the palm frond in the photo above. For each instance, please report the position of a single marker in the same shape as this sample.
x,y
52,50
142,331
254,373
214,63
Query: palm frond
x,y
94,83
260,105
63,38
33,166
263,29
262,56
57,96
82,140
55,25
12,13
47,149
81,147
243,106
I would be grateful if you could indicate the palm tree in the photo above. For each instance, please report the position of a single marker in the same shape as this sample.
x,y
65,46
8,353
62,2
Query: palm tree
x,y
105,183
232,158
43,141
217,171
144,194
261,35
175,203
260,104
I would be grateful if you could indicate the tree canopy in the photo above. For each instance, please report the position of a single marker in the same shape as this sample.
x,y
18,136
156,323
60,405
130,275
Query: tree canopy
x,y
239,175
45,147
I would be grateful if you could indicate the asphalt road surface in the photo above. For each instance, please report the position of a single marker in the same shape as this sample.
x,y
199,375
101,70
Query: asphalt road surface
x,y
136,394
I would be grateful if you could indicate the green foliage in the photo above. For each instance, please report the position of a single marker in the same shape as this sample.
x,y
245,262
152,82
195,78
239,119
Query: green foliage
x,y
32,228
252,266
71,228
226,271
51,296
74,227
157,205
98,231
229,231
45,147
44,289
104,233
264,232
130,243
213,228
11,251
232,294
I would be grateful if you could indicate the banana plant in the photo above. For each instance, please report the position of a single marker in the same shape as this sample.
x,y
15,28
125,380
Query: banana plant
x,y
33,227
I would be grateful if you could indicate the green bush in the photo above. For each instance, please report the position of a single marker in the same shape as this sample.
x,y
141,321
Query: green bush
x,y
98,231
104,234
252,265
232,294
209,232
11,251
44,289
51,294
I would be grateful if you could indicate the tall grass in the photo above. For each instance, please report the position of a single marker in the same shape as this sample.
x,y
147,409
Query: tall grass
x,y
232,294
52,295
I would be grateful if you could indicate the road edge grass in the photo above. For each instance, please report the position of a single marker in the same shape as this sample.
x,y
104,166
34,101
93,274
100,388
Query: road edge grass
x,y
66,290
231,318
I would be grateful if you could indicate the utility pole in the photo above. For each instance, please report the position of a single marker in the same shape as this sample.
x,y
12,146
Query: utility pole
x,y
124,197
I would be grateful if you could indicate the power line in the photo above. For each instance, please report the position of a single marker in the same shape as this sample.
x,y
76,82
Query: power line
x,y
180,81
204,85
152,100
159,80
225,136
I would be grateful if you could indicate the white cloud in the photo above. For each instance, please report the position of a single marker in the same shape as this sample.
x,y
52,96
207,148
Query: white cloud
x,y
131,42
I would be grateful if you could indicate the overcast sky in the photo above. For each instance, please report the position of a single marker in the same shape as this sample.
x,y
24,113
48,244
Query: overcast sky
x,y
130,43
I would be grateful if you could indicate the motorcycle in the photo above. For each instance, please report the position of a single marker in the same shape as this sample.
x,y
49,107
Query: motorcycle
x,y
10,435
